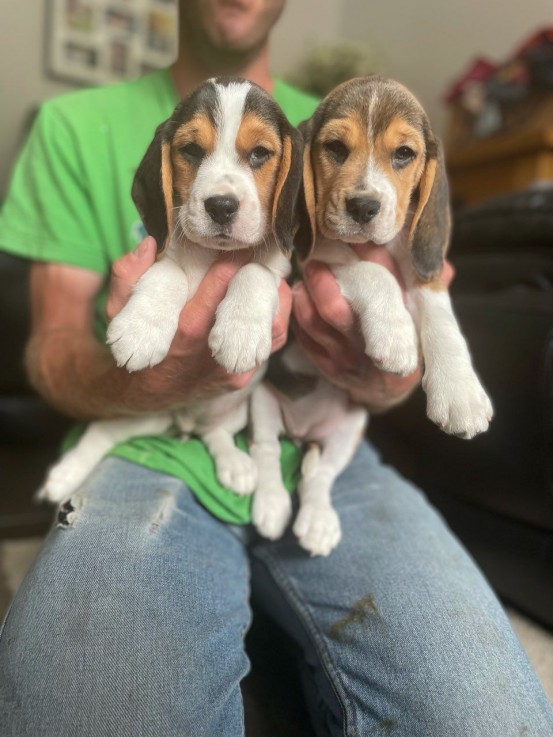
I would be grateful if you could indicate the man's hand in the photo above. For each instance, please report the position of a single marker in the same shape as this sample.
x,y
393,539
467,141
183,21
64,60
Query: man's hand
x,y
325,326
189,372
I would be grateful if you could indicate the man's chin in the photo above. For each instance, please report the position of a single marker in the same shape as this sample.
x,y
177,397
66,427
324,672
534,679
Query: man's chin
x,y
235,33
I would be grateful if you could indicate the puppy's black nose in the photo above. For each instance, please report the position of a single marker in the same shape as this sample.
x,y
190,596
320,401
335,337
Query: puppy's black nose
x,y
222,209
362,209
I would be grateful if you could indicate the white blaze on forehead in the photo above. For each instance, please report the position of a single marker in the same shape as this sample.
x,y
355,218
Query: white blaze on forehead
x,y
231,98
222,173
375,180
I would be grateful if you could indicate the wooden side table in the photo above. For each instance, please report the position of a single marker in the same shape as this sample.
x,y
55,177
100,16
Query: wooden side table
x,y
508,161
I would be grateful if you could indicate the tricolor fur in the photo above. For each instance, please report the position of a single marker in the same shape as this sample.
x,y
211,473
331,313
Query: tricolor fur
x,y
221,174
373,172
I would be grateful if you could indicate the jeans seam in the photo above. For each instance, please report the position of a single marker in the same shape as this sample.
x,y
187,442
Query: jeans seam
x,y
314,631
6,617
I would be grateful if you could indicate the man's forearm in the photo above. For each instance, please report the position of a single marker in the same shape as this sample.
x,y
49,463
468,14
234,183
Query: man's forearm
x,y
78,376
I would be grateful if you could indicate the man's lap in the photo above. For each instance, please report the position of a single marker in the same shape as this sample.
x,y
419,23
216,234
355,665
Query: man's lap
x,y
144,586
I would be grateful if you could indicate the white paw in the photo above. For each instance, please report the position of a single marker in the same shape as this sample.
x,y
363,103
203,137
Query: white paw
x,y
317,528
63,478
239,344
271,512
140,338
391,340
458,406
237,471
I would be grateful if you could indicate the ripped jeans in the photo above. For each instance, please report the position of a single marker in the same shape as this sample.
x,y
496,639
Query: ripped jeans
x,y
131,622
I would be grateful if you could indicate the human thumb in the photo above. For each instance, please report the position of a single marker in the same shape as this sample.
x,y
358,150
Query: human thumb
x,y
126,271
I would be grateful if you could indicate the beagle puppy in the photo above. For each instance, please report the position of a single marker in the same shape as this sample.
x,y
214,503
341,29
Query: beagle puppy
x,y
222,173
373,173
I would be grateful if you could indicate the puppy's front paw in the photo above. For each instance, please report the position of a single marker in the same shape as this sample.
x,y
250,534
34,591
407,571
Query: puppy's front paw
x,y
237,471
139,339
239,344
271,511
391,340
460,407
64,478
317,528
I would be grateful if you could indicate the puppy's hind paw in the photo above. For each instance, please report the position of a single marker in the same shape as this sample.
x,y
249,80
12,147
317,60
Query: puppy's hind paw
x,y
237,471
271,512
317,528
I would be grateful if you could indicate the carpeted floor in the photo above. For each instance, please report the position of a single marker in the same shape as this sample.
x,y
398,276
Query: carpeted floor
x,y
17,555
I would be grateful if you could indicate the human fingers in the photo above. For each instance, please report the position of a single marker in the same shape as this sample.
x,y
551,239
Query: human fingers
x,y
126,271
318,354
364,382
329,302
308,322
198,314
189,372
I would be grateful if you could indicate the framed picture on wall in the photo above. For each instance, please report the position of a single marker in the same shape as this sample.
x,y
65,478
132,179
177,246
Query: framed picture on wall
x,y
100,41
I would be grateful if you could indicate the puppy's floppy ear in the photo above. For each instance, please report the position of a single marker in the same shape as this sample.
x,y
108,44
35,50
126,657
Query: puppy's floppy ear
x,y
430,228
304,239
286,188
152,189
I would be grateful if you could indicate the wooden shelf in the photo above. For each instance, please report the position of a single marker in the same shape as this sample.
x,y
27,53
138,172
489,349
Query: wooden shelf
x,y
481,168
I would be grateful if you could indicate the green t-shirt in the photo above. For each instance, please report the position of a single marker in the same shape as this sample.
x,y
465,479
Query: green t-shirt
x,y
69,202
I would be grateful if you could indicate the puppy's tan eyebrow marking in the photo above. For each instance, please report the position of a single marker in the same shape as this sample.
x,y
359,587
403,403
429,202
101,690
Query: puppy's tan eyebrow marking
x,y
348,129
198,129
254,131
400,133
335,129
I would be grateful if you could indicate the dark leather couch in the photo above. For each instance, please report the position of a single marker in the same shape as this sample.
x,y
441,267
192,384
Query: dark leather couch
x,y
30,432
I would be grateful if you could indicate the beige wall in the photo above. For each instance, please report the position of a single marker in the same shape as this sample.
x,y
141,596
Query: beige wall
x,y
303,22
426,43
23,84
423,42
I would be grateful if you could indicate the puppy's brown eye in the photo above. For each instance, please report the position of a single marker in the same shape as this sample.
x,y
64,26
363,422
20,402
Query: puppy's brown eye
x,y
192,153
258,156
337,150
402,156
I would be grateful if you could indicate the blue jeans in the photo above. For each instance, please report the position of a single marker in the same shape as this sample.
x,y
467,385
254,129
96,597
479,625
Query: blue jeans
x,y
131,622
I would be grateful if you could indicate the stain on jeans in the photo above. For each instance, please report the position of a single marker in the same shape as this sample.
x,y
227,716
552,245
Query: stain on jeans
x,y
358,614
